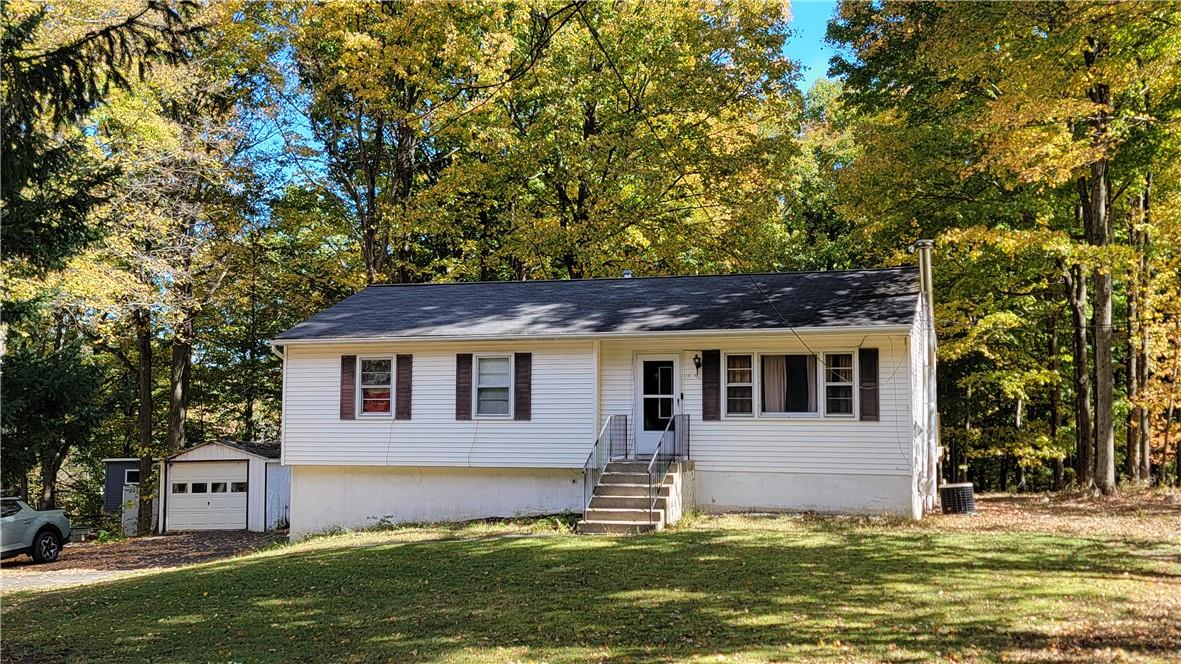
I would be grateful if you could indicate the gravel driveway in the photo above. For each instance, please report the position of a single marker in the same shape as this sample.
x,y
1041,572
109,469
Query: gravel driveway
x,y
90,562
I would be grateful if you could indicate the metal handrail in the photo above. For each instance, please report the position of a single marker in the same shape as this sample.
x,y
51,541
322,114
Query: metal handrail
x,y
673,445
614,431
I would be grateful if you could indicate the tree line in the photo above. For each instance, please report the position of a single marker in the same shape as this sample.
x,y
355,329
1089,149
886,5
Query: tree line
x,y
183,181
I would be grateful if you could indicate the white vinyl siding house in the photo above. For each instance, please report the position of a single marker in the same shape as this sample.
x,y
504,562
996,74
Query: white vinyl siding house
x,y
498,418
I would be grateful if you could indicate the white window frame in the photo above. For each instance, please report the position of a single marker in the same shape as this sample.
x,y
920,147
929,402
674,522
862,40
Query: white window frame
x,y
824,385
754,385
512,386
360,388
814,415
130,470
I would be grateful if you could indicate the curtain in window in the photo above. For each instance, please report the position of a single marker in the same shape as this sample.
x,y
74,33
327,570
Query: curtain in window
x,y
774,384
811,370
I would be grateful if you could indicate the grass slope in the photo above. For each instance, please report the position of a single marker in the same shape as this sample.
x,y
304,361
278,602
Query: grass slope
x,y
725,588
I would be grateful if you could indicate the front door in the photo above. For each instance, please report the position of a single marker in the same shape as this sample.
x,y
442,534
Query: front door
x,y
657,398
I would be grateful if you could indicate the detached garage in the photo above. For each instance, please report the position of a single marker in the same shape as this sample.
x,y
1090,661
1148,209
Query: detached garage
x,y
225,486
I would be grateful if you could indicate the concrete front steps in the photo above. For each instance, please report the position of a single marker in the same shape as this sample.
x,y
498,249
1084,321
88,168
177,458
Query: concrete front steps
x,y
620,506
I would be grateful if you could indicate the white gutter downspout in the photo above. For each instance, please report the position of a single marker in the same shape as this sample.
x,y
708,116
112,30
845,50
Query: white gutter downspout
x,y
928,486
281,353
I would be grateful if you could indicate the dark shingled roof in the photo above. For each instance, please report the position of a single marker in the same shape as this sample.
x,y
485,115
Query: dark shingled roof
x,y
881,297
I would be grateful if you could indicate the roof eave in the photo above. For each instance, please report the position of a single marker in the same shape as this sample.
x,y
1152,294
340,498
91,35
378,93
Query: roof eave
x,y
890,328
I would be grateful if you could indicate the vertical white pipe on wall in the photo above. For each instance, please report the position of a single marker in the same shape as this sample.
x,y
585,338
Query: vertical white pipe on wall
x,y
927,285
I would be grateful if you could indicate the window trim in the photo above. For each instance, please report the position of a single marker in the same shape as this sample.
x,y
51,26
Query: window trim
x,y
821,413
754,384
803,415
512,384
360,398
824,384
130,470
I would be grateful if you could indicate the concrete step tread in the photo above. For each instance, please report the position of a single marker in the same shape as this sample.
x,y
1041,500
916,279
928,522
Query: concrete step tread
x,y
622,509
623,502
644,486
617,523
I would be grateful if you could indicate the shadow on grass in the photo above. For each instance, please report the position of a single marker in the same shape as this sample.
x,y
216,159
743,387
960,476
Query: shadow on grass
x,y
731,592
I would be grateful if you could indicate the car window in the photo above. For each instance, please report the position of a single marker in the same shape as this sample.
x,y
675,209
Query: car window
x,y
9,507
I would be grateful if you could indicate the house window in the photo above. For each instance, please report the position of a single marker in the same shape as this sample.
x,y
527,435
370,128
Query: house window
x,y
493,385
237,487
131,476
838,384
740,385
180,487
789,384
200,487
377,388
217,487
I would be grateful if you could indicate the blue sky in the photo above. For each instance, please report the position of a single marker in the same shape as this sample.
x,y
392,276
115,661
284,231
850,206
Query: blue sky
x,y
806,46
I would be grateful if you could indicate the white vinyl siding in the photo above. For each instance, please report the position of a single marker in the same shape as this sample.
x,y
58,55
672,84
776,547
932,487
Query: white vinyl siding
x,y
559,435
836,445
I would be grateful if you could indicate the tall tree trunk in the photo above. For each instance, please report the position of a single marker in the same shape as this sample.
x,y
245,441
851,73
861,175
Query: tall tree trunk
x,y
1055,400
1076,293
1097,200
1019,421
1144,281
179,379
1168,423
143,338
1132,366
50,467
1005,472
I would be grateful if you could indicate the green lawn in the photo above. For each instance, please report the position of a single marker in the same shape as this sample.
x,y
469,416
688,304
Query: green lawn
x,y
718,589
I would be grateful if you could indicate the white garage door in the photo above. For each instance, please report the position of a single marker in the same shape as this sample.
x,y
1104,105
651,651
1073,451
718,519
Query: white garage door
x,y
207,495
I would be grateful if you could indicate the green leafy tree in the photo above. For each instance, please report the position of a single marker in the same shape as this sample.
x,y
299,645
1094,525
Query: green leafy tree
x,y
51,81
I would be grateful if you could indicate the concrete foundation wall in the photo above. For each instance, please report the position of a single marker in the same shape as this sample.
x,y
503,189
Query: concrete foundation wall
x,y
327,497
853,494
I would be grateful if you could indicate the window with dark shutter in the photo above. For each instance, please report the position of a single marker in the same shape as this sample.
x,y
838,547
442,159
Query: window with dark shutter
x,y
405,373
463,386
711,383
348,387
868,389
523,386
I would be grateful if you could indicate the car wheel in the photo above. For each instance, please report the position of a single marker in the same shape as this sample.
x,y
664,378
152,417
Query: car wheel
x,y
46,547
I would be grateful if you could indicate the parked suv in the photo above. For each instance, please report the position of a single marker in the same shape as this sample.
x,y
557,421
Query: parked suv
x,y
39,533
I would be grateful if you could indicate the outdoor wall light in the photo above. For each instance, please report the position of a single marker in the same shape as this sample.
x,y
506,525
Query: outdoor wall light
x,y
697,364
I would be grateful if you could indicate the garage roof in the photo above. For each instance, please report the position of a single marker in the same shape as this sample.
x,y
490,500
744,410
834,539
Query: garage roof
x,y
266,450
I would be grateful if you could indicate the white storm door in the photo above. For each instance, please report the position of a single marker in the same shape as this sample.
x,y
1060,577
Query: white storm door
x,y
207,495
657,395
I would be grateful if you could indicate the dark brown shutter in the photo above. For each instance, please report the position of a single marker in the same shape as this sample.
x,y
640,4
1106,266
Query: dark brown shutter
x,y
868,369
711,384
348,387
403,388
523,386
463,386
